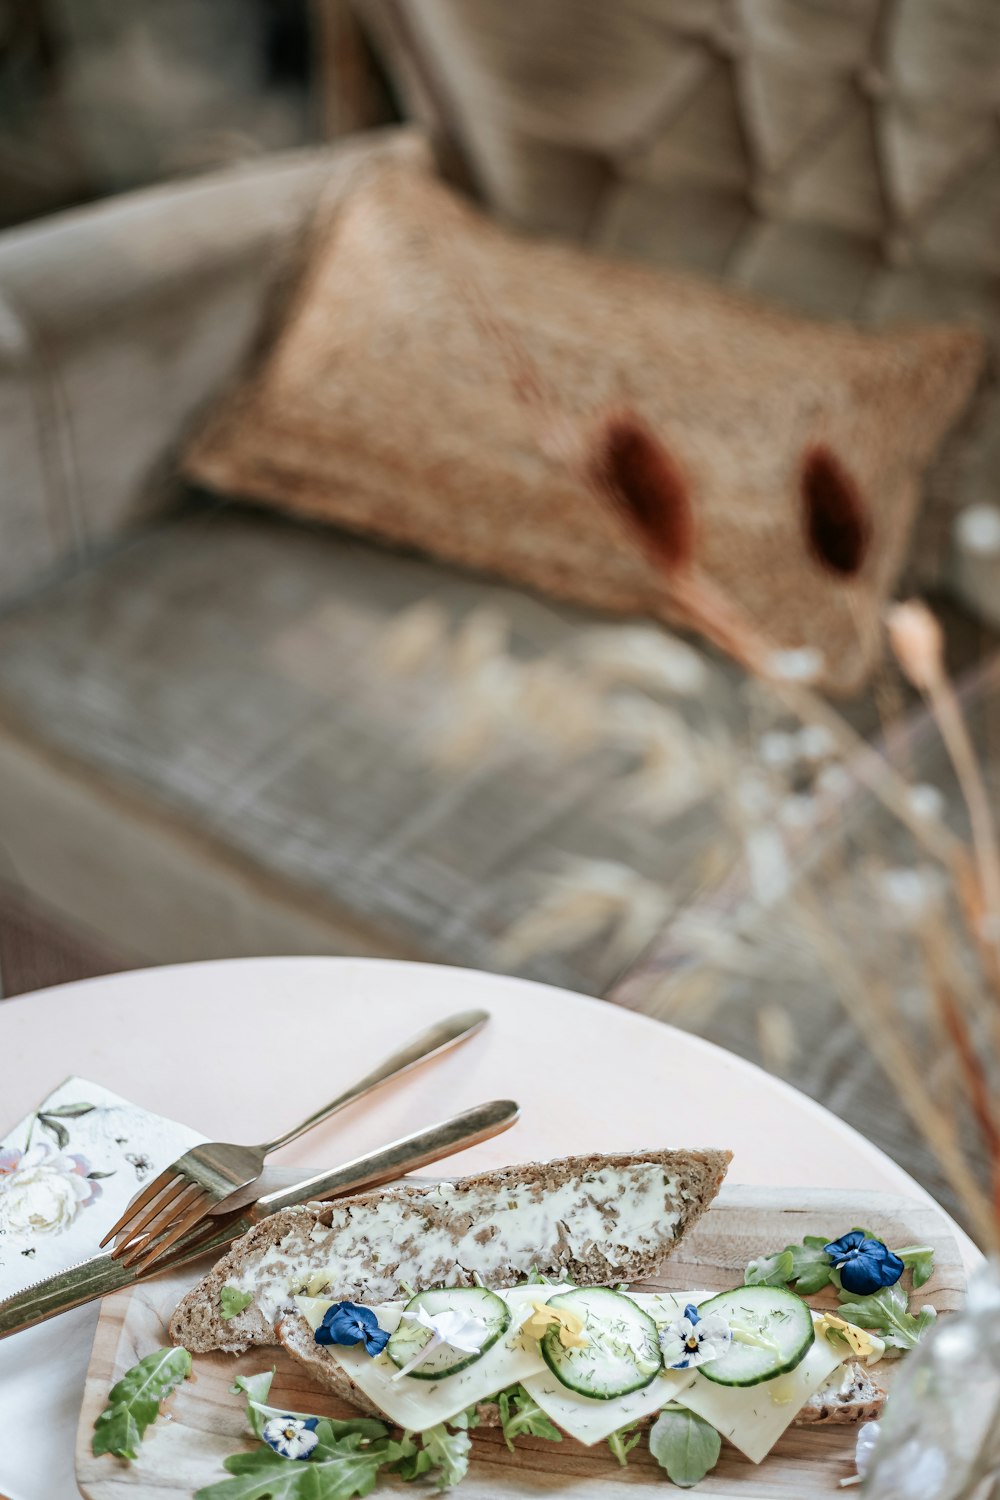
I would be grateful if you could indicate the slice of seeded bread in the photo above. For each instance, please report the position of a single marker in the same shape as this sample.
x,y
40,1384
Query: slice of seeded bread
x,y
850,1395
591,1219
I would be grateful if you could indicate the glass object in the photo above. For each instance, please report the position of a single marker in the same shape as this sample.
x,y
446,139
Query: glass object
x,y
940,1436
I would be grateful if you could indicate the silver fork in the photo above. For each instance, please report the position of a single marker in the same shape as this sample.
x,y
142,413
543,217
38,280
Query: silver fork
x,y
205,1176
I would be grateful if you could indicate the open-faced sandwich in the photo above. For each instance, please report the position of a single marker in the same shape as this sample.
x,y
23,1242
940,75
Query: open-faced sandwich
x,y
509,1298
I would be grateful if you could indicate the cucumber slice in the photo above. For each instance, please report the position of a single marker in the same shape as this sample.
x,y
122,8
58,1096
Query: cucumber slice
x,y
778,1333
411,1337
622,1353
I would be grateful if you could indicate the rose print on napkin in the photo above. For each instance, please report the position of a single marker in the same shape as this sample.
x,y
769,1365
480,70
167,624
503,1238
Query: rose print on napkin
x,y
42,1188
68,1170
42,1191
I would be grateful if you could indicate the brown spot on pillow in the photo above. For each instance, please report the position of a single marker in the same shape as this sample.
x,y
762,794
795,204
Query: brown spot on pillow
x,y
836,521
645,485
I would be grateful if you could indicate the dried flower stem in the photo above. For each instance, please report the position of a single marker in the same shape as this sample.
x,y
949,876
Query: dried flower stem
x,y
728,629
945,982
877,1019
954,732
957,1030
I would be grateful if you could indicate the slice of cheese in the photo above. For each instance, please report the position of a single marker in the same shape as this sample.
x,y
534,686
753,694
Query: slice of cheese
x,y
754,1417
591,1421
419,1404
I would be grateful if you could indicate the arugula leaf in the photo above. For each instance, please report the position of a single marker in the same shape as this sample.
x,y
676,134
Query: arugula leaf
x,y
811,1267
344,1463
332,1435
685,1445
350,1469
770,1270
232,1302
919,1259
622,1442
443,1453
449,1453
807,1265
521,1416
886,1313
258,1474
256,1388
329,1432
134,1402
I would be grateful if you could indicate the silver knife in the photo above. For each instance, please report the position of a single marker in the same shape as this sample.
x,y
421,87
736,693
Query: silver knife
x,y
100,1275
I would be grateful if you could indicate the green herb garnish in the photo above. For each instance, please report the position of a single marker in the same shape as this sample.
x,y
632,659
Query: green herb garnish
x,y
232,1302
807,1265
346,1460
770,1270
810,1269
886,1313
685,1445
134,1403
622,1442
442,1453
919,1261
521,1416
339,1469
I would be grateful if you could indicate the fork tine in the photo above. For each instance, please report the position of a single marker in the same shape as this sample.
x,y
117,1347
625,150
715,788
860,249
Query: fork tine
x,y
147,1255
159,1214
138,1204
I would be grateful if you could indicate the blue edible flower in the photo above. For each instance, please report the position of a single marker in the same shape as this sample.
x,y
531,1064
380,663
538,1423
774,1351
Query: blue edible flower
x,y
865,1265
347,1323
292,1437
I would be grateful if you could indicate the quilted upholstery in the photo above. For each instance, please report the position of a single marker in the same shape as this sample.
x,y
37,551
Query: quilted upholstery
x,y
839,156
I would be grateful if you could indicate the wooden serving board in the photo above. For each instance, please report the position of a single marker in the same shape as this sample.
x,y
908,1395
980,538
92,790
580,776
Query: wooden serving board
x,y
205,1423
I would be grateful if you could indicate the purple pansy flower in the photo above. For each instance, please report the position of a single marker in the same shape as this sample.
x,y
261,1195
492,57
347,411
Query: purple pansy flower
x,y
865,1265
347,1323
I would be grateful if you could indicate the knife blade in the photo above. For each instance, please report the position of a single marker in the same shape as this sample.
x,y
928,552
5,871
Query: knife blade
x,y
100,1275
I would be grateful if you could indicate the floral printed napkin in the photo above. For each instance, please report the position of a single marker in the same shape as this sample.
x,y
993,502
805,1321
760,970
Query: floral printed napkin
x,y
66,1174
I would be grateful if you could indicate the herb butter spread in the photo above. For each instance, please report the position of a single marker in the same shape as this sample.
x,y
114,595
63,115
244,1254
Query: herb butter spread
x,y
450,1234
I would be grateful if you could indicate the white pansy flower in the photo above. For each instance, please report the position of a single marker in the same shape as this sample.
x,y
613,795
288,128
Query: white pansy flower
x,y
292,1437
43,1192
693,1340
459,1330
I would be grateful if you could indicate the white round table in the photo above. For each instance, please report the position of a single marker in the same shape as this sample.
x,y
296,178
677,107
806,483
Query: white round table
x,y
242,1049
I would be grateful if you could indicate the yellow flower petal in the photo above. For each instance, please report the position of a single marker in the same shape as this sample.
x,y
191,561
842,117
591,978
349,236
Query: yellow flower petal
x,y
865,1345
571,1334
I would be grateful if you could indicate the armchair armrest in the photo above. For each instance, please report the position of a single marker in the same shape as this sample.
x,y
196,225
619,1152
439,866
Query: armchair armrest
x,y
117,322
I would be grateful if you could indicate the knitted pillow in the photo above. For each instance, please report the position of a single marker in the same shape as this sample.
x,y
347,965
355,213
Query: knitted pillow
x,y
443,384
